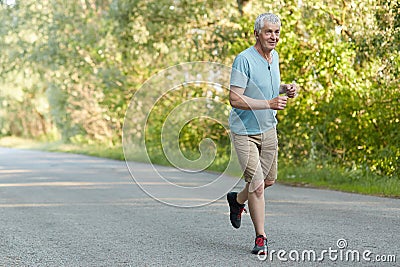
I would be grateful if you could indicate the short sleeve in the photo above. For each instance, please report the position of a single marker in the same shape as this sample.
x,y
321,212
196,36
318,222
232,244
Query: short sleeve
x,y
240,72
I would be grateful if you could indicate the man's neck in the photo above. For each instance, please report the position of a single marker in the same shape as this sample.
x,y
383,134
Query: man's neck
x,y
265,53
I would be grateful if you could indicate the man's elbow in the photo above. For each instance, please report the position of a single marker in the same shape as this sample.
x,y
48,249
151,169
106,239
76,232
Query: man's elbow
x,y
234,102
238,103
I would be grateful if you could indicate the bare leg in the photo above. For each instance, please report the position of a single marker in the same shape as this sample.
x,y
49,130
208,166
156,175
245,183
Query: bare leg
x,y
243,195
257,209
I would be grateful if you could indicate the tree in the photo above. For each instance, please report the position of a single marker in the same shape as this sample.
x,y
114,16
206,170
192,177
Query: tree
x,y
70,69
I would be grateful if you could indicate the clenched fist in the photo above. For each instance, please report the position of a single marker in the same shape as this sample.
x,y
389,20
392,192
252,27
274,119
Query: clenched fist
x,y
291,90
278,103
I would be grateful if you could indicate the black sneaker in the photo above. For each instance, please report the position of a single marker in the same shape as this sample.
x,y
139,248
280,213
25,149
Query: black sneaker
x,y
261,246
236,209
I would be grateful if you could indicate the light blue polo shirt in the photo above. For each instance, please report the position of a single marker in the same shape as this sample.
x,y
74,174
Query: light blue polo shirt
x,y
250,71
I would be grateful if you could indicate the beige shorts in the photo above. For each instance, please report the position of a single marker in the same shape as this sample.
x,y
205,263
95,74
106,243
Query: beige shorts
x,y
258,157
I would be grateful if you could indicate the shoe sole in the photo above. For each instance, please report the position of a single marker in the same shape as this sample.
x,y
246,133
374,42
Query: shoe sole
x,y
260,252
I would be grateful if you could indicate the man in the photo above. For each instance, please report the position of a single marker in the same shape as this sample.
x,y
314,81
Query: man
x,y
254,95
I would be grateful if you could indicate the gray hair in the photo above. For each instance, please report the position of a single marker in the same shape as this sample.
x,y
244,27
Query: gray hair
x,y
260,20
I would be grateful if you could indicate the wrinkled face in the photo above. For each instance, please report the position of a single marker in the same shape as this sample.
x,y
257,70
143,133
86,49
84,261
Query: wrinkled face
x,y
269,35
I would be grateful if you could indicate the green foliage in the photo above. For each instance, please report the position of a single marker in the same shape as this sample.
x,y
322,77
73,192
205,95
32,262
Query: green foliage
x,y
69,70
190,133
346,113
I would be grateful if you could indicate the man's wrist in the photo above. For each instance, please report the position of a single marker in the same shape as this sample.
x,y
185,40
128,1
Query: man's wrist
x,y
267,104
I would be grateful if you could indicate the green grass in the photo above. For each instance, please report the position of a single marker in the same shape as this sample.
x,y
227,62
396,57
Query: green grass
x,y
336,178
97,150
306,175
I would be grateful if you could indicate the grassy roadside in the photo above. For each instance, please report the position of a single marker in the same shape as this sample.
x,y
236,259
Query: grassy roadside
x,y
85,149
335,178
329,177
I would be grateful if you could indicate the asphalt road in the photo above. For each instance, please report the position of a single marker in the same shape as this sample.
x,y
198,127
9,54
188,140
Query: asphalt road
x,y
71,210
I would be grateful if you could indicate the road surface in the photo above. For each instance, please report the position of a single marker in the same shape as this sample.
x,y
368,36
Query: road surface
x,y
71,210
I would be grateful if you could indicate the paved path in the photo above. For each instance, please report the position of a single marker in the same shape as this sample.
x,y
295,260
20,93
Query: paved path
x,y
70,210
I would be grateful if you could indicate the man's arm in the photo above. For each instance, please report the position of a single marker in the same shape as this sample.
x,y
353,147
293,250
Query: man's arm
x,y
240,101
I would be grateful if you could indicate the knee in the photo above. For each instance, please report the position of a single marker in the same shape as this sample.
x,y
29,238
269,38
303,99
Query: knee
x,y
268,183
259,192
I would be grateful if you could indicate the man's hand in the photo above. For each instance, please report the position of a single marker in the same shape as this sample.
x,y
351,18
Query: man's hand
x,y
278,103
291,90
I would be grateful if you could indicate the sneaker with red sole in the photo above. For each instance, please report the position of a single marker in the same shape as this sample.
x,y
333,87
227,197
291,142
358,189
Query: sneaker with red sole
x,y
260,246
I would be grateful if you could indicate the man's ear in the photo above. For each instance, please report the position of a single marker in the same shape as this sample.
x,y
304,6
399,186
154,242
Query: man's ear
x,y
256,34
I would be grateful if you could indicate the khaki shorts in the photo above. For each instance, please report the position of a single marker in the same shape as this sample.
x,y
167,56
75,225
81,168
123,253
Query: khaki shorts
x,y
258,157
